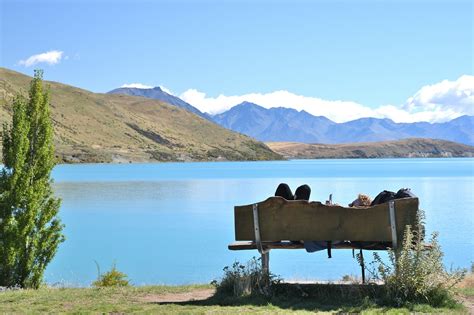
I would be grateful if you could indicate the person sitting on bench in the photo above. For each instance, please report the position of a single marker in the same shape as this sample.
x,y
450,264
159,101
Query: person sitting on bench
x,y
361,201
301,193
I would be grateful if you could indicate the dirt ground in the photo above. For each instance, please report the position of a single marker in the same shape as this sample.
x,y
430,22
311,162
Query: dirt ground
x,y
194,295
468,302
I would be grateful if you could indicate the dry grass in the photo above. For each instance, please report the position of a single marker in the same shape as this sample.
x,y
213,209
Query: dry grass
x,y
467,282
465,292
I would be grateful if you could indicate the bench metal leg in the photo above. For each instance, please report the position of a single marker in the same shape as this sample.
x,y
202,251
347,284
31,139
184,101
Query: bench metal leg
x,y
362,266
266,262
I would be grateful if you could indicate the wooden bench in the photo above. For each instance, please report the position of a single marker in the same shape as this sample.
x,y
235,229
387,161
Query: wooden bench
x,y
272,223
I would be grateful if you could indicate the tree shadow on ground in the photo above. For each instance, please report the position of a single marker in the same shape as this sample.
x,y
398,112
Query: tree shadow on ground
x,y
310,297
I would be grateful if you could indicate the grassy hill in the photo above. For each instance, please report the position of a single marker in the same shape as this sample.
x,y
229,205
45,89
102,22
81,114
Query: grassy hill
x,y
91,127
413,147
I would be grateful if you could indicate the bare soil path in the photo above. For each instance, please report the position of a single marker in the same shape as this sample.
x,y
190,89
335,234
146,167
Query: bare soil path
x,y
194,295
468,302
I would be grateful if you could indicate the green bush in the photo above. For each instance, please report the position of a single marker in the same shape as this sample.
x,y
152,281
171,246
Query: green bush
x,y
415,273
112,278
249,279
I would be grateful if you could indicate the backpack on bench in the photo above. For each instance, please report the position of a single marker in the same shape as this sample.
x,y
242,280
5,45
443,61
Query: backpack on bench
x,y
386,196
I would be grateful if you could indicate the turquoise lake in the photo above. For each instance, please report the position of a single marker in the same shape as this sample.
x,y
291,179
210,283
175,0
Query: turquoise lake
x,y
170,223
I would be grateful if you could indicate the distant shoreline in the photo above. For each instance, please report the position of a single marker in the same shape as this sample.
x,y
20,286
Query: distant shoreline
x,y
406,148
396,149
260,161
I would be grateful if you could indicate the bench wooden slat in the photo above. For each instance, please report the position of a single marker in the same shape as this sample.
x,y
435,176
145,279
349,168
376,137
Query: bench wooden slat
x,y
247,245
301,220
243,245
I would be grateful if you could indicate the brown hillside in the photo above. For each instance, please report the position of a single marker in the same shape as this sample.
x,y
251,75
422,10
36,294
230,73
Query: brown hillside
x,y
386,149
91,127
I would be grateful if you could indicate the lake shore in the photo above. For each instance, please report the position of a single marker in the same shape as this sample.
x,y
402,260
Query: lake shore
x,y
406,149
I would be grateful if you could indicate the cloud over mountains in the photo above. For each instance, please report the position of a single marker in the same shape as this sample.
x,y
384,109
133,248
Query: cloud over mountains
x,y
51,57
438,102
144,87
457,96
136,86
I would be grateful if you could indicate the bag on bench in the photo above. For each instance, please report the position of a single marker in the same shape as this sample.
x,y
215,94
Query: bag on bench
x,y
383,197
386,196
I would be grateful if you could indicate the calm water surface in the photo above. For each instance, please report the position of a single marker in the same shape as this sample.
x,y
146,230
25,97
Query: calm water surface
x,y
171,223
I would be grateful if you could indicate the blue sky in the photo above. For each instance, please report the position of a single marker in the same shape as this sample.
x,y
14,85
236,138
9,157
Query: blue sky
x,y
371,53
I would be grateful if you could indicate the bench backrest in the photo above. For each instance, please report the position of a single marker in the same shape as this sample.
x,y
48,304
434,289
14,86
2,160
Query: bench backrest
x,y
280,219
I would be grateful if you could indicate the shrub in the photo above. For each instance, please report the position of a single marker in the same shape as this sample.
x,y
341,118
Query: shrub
x,y
350,279
249,279
415,273
112,278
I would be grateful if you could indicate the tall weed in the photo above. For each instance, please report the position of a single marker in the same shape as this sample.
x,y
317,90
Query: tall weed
x,y
415,273
112,278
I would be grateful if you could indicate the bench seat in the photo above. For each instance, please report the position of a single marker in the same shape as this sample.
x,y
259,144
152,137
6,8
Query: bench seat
x,y
247,245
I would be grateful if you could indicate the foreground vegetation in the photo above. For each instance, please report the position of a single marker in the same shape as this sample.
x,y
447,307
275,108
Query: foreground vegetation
x,y
284,298
288,298
249,289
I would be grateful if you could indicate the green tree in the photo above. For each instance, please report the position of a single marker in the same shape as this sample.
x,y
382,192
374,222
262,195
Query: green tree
x,y
30,229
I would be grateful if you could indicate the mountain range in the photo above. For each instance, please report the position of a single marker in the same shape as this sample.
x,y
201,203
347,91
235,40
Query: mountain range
x,y
157,93
285,124
289,125
95,127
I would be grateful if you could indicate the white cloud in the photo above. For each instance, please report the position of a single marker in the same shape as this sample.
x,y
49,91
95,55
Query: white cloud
x,y
136,86
51,57
146,87
335,110
399,114
457,96
433,103
166,90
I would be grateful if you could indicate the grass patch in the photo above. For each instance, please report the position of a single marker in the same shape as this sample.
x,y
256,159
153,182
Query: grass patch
x,y
287,298
111,299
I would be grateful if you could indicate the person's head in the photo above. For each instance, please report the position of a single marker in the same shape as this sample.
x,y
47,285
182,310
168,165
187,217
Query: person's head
x,y
303,192
361,201
283,190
